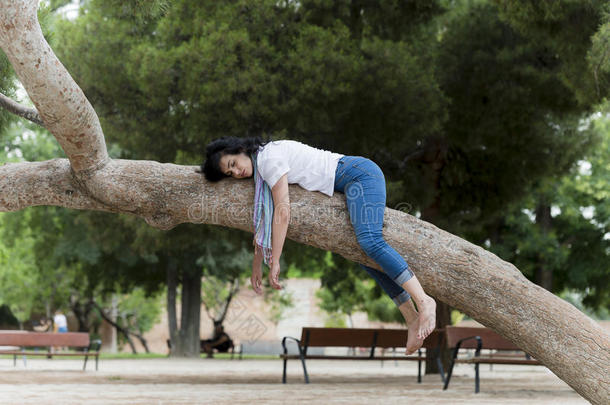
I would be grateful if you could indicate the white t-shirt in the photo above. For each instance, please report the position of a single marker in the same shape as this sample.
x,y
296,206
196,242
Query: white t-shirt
x,y
309,167
60,321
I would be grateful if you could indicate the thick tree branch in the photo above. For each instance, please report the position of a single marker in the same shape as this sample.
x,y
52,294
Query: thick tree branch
x,y
457,272
62,105
29,114
453,270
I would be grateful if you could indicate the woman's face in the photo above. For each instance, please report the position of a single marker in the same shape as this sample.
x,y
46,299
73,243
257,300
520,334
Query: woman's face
x,y
237,166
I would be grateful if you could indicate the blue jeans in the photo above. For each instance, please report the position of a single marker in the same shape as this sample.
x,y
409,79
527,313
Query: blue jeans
x,y
363,184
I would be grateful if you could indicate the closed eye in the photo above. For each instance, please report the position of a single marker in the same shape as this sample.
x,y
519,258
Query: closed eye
x,y
230,165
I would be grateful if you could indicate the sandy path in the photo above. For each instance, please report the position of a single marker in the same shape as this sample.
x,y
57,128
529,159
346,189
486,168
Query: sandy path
x,y
164,381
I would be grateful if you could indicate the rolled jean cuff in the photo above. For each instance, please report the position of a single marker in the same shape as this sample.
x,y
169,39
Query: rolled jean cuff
x,y
404,276
401,298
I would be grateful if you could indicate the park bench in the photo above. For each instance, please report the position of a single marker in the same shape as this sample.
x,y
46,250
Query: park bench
x,y
502,351
371,339
25,340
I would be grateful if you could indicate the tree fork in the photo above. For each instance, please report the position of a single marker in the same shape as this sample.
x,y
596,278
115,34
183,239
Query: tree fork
x,y
453,270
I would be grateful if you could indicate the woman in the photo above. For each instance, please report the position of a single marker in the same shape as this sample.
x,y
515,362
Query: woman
x,y
276,164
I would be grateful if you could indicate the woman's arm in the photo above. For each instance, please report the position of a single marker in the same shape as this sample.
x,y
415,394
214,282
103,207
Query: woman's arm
x,y
281,219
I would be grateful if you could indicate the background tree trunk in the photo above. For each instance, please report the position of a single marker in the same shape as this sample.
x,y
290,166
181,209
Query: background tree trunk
x,y
184,338
191,312
544,272
434,158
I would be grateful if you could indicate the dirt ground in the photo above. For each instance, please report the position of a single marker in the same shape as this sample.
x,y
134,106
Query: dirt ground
x,y
219,381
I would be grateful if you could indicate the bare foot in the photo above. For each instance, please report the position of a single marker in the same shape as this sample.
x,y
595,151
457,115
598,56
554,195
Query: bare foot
x,y
413,342
427,317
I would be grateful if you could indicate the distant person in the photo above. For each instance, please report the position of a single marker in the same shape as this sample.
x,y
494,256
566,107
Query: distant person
x,y
220,341
60,325
274,165
44,325
60,322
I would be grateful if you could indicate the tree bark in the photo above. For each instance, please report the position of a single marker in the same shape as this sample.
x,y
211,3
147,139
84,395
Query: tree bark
x,y
461,274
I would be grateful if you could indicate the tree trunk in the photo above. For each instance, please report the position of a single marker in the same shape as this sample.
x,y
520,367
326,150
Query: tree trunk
x,y
184,339
172,320
443,319
455,271
544,273
191,312
113,316
81,311
434,157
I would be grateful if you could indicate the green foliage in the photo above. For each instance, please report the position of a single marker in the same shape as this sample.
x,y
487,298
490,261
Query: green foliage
x,y
335,320
19,278
577,248
599,58
139,311
565,29
347,288
279,301
513,120
7,87
381,308
575,298
206,69
456,317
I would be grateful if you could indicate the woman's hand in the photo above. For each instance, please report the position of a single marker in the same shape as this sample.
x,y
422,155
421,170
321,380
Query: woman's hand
x,y
274,275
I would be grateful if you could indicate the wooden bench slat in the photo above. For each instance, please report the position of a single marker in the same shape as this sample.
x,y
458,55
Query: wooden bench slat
x,y
39,339
491,340
322,357
358,337
497,360
41,353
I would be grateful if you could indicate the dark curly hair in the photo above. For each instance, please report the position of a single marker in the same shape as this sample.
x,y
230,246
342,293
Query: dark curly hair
x,y
227,145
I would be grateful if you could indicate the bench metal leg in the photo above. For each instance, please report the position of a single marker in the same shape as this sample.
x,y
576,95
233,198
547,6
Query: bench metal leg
x,y
284,373
301,355
476,376
85,364
419,366
97,356
304,368
450,371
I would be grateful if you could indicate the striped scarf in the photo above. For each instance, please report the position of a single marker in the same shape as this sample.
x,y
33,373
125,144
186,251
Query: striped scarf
x,y
263,213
